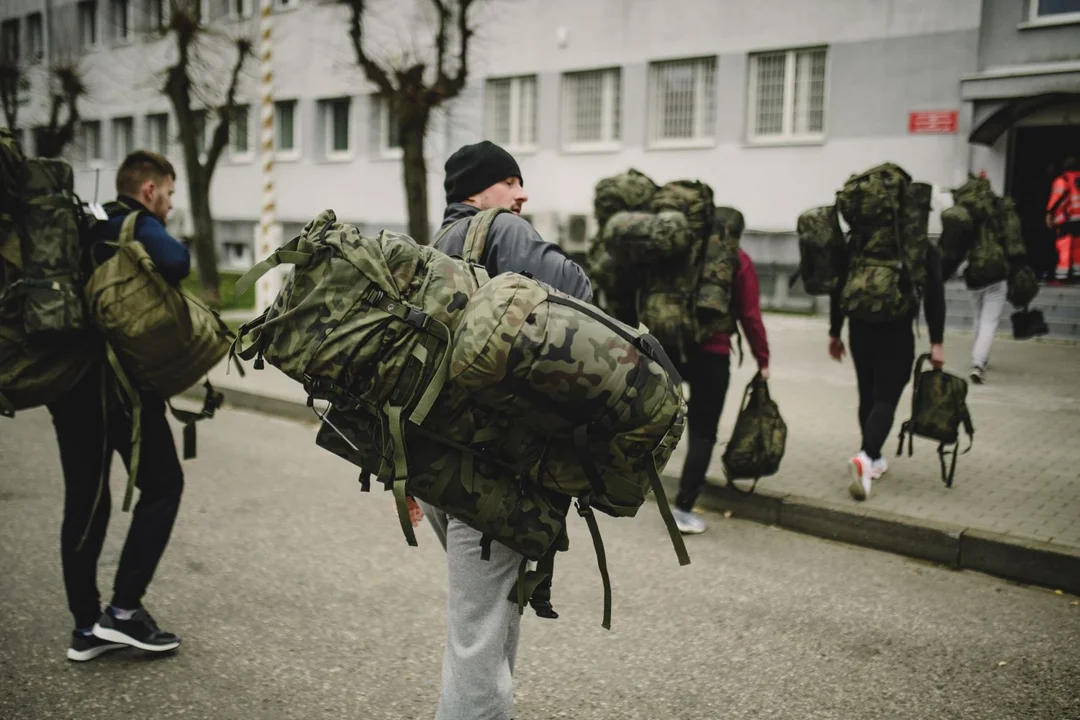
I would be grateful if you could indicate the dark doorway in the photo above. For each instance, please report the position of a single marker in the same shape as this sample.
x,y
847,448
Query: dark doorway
x,y
1035,157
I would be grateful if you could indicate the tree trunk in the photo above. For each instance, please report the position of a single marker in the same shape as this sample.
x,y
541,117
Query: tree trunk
x,y
413,129
205,248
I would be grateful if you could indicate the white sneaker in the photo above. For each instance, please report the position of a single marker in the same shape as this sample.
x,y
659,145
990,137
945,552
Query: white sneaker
x,y
860,468
687,522
878,468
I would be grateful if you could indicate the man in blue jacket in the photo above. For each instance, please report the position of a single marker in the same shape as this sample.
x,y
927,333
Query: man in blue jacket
x,y
88,433
482,624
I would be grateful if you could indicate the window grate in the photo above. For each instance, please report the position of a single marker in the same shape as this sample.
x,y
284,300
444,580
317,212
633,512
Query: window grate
x,y
683,100
591,107
787,92
510,111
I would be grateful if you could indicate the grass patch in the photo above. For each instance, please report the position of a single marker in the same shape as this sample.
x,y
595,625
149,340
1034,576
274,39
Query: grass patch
x,y
226,281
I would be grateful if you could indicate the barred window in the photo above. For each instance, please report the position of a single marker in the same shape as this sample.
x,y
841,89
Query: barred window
x,y
157,133
682,99
123,138
591,108
787,95
91,140
510,111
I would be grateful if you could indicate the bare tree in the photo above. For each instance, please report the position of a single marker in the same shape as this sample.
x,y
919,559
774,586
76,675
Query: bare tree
x,y
186,30
413,93
65,87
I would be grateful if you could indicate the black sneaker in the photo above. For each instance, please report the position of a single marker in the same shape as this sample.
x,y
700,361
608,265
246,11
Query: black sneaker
x,y
88,647
140,631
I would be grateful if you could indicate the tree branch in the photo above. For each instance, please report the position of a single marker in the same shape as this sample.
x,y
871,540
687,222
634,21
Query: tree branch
x,y
374,72
228,108
446,86
9,92
441,38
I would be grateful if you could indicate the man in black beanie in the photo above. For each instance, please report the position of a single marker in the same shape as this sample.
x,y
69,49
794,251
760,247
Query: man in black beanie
x,y
482,624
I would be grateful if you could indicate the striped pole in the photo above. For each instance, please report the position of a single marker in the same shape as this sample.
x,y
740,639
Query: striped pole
x,y
268,238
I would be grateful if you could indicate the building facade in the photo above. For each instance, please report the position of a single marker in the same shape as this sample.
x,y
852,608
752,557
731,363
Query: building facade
x,y
773,103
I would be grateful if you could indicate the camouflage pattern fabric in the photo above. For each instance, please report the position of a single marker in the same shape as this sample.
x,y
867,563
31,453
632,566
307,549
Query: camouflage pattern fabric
x,y
987,263
822,250
1023,285
977,197
44,349
889,217
1013,235
164,340
630,191
938,410
759,438
957,232
642,238
692,198
713,309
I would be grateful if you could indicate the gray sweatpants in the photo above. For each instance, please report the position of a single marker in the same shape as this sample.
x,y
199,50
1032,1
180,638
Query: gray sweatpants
x,y
482,625
986,304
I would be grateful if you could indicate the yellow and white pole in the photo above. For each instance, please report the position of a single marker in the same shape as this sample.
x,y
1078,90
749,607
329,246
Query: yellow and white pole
x,y
269,232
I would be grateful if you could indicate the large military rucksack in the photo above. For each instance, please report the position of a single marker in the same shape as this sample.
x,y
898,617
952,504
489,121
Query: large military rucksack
x,y
888,215
822,251
45,348
938,411
714,304
495,400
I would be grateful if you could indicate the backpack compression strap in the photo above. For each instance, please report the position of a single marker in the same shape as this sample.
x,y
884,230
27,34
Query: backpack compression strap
x,y
477,234
287,254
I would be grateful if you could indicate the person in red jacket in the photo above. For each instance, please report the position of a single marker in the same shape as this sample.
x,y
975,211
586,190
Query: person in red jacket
x,y
1063,216
708,371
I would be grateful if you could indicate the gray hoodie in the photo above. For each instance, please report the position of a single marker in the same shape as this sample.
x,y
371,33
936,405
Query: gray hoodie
x,y
513,245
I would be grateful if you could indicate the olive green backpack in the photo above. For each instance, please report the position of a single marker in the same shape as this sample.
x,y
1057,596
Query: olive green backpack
x,y
938,411
822,251
759,438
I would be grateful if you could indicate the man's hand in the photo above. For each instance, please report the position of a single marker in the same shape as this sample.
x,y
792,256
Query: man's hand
x,y
764,372
415,513
937,355
837,349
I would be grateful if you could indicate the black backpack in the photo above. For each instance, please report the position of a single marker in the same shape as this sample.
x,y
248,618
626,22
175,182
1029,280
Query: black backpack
x,y
938,409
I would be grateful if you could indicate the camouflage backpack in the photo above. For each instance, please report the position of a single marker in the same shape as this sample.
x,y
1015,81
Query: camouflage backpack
x,y
888,216
45,348
987,261
630,191
760,436
1023,285
487,399
822,251
938,410
714,303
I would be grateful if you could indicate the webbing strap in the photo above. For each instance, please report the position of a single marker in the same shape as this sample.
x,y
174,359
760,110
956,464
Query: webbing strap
x,y
581,446
397,439
435,384
127,229
585,511
669,519
522,598
287,254
476,236
403,512
212,400
136,423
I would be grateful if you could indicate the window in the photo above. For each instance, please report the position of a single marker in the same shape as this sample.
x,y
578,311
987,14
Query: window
x,y
682,96
9,42
335,126
123,138
35,38
510,112
91,140
88,36
387,134
1058,10
157,133
120,17
591,108
239,9
155,14
787,96
240,132
285,127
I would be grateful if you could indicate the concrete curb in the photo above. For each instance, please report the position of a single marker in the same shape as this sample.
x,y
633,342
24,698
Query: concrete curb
x,y
1035,563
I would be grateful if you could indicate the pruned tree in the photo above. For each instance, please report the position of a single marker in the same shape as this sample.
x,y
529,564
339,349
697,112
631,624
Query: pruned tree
x,y
185,29
65,88
413,92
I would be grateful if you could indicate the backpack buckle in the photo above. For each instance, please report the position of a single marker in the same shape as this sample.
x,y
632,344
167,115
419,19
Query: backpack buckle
x,y
417,318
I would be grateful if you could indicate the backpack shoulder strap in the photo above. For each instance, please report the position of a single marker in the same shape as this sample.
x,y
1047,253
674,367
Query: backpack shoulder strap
x,y
477,234
441,233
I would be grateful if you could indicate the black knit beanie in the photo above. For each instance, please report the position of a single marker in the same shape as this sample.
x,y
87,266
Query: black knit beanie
x,y
477,167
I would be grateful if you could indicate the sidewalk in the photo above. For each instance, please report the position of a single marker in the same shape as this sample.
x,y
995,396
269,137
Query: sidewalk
x,y
1014,508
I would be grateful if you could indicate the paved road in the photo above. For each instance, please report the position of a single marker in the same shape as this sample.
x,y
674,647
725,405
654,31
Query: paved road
x,y
297,598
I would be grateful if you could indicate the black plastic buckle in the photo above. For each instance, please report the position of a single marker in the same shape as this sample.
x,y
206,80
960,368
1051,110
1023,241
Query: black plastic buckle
x,y
418,318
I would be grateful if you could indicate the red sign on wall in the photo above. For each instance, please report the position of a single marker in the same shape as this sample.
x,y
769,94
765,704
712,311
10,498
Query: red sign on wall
x,y
933,121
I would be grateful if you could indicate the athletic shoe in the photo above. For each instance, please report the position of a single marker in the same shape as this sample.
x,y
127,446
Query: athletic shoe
x,y
140,631
860,468
87,647
687,522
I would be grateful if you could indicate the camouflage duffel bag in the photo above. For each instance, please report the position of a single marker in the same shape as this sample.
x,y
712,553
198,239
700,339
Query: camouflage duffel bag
x,y
759,439
938,410
629,191
607,396
641,238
